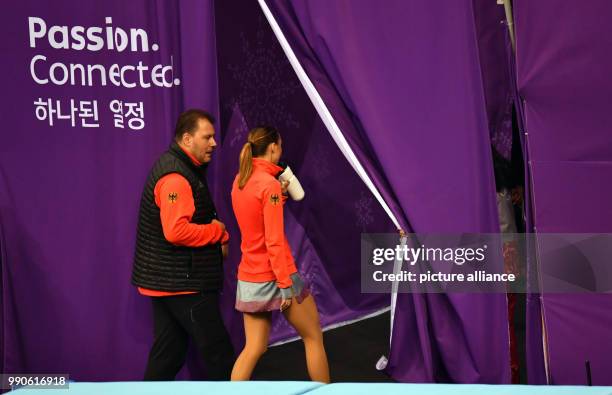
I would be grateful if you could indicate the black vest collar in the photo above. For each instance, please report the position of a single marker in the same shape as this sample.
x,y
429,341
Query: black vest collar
x,y
178,152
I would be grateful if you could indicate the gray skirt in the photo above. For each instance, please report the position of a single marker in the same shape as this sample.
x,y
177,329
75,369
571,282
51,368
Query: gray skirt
x,y
266,296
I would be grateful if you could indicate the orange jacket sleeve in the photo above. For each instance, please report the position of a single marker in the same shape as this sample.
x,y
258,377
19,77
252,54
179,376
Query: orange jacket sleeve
x,y
274,233
174,197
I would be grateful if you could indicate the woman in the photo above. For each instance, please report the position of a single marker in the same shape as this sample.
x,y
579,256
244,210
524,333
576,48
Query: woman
x,y
267,276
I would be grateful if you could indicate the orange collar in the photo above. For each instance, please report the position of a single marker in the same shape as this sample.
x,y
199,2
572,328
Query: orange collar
x,y
193,159
266,166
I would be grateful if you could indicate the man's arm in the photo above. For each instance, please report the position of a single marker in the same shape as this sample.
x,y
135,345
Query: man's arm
x,y
174,197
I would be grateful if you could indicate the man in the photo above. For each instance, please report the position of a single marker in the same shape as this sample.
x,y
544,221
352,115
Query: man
x,y
179,248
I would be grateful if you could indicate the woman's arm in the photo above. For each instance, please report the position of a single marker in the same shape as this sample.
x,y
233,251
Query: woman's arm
x,y
274,233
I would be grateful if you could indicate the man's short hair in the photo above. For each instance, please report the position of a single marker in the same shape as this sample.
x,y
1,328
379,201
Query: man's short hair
x,y
188,122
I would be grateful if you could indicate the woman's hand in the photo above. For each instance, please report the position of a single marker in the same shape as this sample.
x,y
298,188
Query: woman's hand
x,y
284,186
285,304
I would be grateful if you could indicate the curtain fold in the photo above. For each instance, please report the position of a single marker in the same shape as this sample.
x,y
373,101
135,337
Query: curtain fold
x,y
404,84
534,347
563,61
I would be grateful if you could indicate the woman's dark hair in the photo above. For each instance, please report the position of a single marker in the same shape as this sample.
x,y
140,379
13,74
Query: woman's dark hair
x,y
257,143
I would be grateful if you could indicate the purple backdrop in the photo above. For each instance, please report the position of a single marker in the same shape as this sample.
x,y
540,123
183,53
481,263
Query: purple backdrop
x,y
419,126
70,221
563,62
69,195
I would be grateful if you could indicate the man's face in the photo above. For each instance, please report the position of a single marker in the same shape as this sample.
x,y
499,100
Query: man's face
x,y
202,143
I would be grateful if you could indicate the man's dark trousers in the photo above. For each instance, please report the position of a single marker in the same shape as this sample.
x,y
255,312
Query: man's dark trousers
x,y
176,319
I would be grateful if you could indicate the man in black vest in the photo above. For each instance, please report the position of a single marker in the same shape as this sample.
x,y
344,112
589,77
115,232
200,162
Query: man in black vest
x,y
180,247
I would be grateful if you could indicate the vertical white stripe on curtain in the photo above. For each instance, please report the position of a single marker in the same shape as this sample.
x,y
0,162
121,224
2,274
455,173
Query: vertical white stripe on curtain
x,y
338,137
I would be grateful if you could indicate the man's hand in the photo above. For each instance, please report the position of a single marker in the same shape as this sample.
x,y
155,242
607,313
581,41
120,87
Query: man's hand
x,y
224,250
221,224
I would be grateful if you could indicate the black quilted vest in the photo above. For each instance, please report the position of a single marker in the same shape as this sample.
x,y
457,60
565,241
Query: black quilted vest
x,y
160,265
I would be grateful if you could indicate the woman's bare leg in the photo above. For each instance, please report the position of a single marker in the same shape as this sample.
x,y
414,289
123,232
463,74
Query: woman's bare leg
x,y
304,317
257,331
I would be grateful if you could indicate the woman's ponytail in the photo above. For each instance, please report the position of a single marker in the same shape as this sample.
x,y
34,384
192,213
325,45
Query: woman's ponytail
x,y
246,165
257,143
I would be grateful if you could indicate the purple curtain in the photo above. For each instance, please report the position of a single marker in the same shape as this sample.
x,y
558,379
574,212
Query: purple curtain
x,y
404,84
257,86
491,30
497,62
534,351
69,195
2,296
563,63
